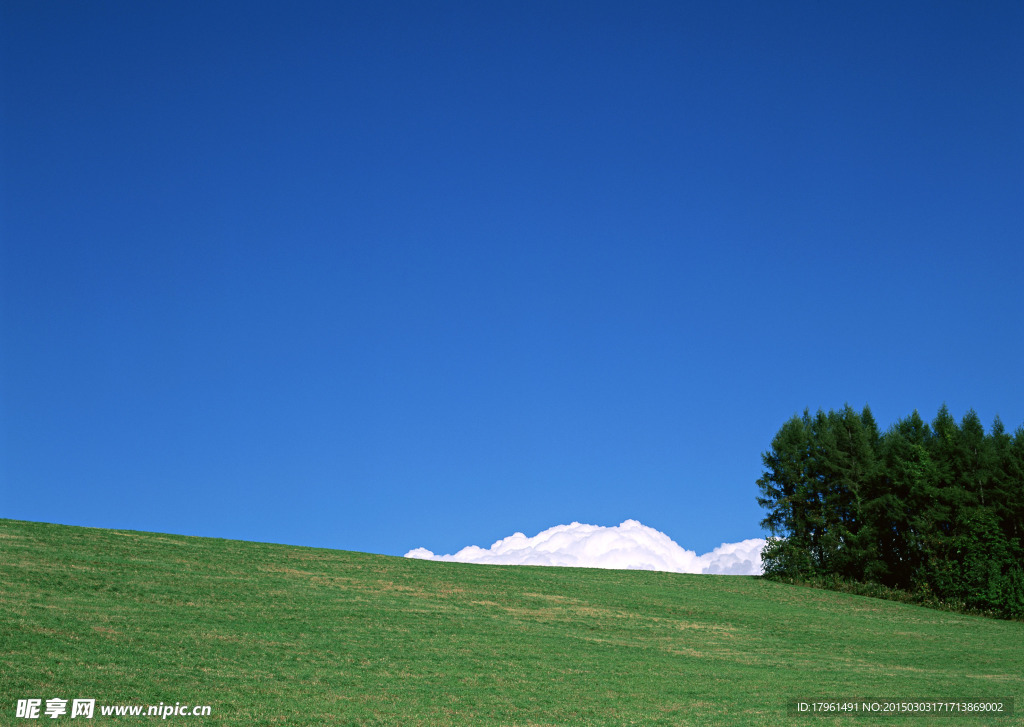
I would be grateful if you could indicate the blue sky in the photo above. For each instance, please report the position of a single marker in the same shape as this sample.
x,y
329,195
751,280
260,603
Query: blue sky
x,y
376,276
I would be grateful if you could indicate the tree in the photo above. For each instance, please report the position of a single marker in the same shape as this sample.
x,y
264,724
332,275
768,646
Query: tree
x,y
942,447
1006,477
844,461
1014,489
937,510
784,493
813,487
981,559
897,511
971,458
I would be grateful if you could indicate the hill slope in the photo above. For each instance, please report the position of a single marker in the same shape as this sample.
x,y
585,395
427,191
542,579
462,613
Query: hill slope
x,y
271,634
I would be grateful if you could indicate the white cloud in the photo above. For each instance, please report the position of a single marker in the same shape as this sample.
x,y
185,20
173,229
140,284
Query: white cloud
x,y
630,545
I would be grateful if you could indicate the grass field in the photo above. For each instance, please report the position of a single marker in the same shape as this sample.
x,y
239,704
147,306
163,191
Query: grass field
x,y
279,635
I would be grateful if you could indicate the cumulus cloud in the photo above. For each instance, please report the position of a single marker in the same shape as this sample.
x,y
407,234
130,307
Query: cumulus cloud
x,y
630,545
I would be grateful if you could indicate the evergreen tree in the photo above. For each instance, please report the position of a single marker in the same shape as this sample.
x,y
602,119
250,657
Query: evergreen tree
x,y
1014,490
942,447
981,557
938,510
895,510
970,458
1006,472
843,463
784,493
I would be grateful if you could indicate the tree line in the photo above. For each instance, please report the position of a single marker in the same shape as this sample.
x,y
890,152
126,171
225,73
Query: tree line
x,y
935,510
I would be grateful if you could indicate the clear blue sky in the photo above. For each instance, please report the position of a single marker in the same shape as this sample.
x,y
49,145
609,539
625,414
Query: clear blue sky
x,y
382,275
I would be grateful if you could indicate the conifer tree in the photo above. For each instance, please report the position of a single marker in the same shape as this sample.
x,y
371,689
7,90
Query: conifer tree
x,y
1014,489
1003,478
971,460
784,493
935,509
895,510
844,461
943,447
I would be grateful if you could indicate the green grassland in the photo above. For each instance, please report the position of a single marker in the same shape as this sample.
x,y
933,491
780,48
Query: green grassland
x,y
280,635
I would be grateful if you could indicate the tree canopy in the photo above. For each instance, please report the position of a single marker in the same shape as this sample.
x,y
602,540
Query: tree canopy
x,y
936,509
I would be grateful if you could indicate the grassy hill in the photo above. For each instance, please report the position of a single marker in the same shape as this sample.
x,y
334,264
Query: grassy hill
x,y
278,635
